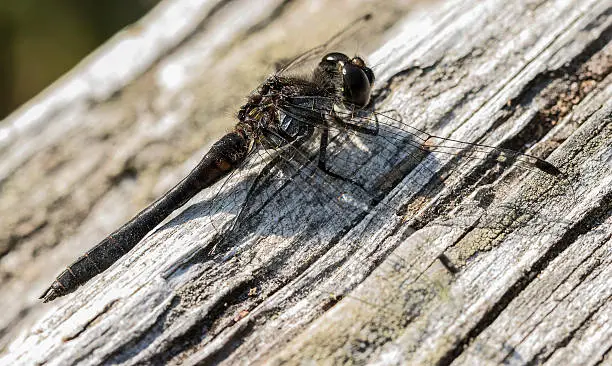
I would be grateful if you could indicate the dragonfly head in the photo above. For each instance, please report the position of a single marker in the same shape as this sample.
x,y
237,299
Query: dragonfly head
x,y
357,78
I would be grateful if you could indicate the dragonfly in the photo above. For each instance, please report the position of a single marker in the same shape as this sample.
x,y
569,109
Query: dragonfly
x,y
300,122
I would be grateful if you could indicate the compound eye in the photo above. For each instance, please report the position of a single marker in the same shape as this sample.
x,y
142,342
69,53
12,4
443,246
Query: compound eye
x,y
357,86
370,74
335,57
359,62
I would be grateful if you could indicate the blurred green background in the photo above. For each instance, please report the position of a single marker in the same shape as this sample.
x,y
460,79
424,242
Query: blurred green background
x,y
42,39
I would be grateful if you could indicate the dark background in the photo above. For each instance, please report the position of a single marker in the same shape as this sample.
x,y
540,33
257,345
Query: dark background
x,y
42,39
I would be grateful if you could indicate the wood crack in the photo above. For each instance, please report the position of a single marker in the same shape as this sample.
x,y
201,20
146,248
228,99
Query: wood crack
x,y
580,228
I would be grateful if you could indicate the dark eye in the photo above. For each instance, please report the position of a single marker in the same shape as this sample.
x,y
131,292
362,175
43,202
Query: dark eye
x,y
335,57
370,74
359,62
357,86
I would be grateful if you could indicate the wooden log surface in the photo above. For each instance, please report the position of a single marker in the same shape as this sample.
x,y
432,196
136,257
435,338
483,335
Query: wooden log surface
x,y
511,268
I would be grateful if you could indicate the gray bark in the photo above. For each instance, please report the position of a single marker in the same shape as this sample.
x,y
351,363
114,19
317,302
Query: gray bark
x,y
513,268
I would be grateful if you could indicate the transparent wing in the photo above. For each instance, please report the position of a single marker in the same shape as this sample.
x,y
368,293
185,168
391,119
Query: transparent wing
x,y
294,215
278,195
378,152
292,198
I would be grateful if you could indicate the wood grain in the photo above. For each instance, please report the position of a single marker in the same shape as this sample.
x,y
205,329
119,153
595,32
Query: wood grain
x,y
493,266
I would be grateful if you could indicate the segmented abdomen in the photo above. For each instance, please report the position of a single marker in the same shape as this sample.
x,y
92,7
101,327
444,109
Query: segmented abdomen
x,y
223,156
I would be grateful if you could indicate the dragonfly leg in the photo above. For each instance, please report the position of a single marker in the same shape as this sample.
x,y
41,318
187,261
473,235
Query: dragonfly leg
x,y
322,158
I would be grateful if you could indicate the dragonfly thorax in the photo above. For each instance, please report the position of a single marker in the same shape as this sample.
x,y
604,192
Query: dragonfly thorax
x,y
274,117
286,110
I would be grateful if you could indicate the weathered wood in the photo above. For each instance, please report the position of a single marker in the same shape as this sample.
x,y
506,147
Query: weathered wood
x,y
527,276
129,122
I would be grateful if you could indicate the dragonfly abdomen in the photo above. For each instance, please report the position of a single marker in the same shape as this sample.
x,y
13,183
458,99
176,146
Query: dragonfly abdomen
x,y
224,156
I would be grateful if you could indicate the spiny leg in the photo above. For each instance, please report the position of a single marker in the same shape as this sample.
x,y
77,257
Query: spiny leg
x,y
325,142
